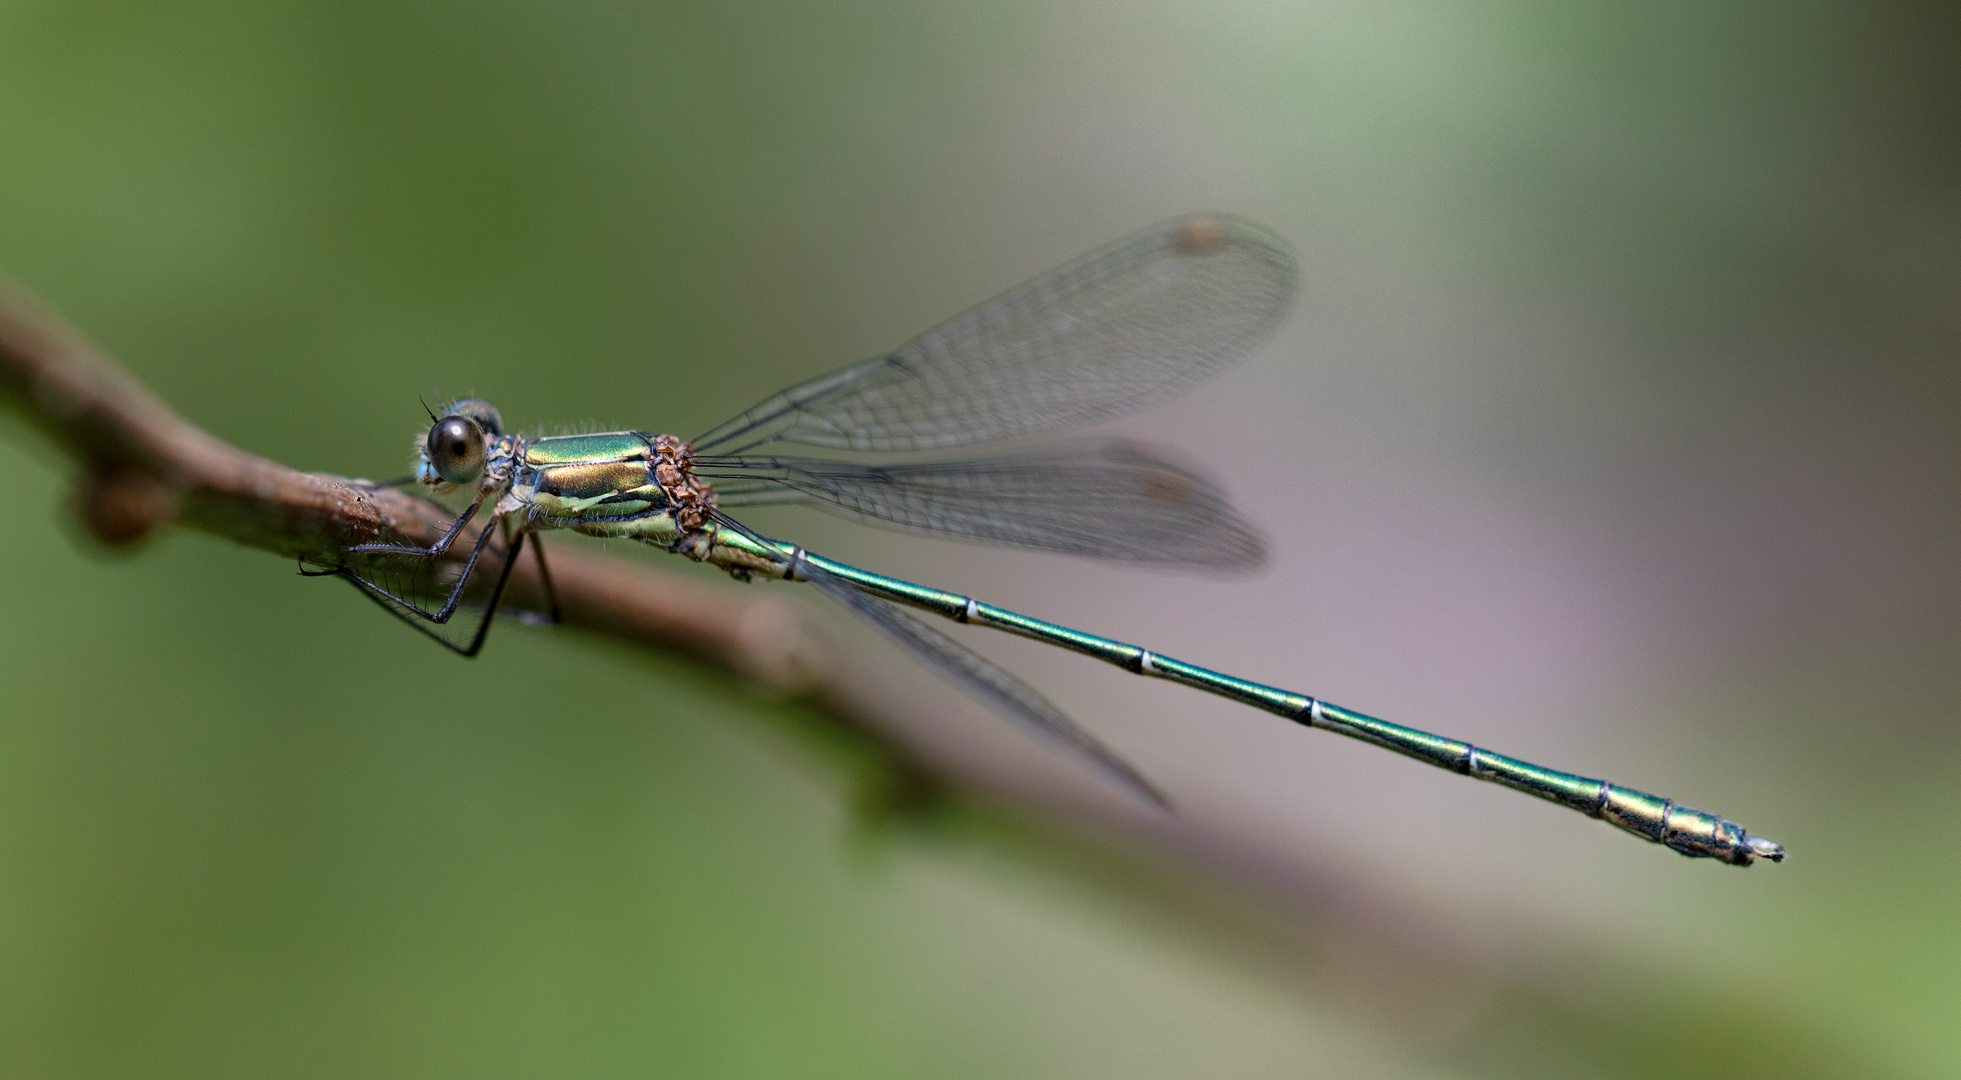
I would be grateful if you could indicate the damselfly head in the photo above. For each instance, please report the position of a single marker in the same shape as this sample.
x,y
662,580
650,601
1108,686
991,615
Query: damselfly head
x,y
454,450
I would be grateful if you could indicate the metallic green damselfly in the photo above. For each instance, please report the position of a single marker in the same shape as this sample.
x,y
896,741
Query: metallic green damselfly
x,y
1111,333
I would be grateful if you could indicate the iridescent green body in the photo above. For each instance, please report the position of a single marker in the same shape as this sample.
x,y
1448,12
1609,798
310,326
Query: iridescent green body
x,y
599,485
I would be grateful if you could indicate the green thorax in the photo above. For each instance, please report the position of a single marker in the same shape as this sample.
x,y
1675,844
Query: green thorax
x,y
608,476
604,447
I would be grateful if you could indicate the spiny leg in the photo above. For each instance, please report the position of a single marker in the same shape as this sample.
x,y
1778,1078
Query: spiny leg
x,y
409,621
368,590
437,548
545,576
409,606
496,595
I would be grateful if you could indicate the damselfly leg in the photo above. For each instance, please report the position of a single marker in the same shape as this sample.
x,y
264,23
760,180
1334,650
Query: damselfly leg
x,y
414,584
423,562
545,580
420,620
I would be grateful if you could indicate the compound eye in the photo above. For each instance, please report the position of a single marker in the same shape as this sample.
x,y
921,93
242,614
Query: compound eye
x,y
483,412
456,449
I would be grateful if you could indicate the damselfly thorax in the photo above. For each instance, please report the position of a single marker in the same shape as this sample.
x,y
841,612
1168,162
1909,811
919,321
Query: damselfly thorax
x,y
618,484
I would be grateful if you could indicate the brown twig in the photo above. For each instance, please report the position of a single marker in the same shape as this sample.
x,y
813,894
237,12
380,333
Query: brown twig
x,y
145,467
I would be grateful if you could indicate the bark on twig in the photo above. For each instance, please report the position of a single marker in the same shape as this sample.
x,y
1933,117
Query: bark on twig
x,y
144,467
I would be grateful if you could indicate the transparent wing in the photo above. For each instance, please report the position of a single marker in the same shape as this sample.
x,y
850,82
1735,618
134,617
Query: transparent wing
x,y
1116,500
1007,695
1105,336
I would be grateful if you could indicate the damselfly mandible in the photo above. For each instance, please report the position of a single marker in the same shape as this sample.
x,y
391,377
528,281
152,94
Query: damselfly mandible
x,y
1111,333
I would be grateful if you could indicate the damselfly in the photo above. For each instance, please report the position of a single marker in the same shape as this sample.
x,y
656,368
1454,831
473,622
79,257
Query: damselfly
x,y
1111,333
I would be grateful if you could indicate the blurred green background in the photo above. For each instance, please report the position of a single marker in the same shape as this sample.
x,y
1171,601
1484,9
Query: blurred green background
x,y
1614,429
